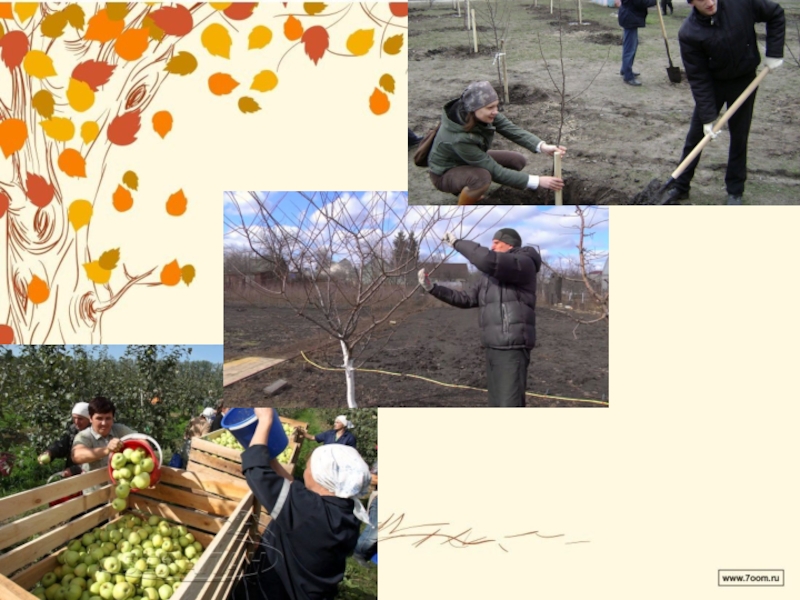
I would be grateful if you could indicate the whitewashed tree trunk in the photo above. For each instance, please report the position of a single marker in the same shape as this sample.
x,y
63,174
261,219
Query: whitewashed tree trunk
x,y
349,375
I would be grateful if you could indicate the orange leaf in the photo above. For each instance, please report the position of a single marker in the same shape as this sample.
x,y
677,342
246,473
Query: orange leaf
x,y
102,29
292,29
239,11
5,10
5,202
13,134
123,129
176,204
38,291
399,9
14,46
72,163
132,43
122,199
378,102
6,335
162,123
174,20
316,42
171,274
221,84
94,73
38,190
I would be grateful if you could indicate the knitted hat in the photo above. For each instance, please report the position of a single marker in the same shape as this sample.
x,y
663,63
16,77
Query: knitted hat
x,y
509,236
477,95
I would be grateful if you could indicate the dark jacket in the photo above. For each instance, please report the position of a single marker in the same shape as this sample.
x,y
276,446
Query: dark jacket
x,y
633,13
454,147
62,448
723,47
305,546
505,294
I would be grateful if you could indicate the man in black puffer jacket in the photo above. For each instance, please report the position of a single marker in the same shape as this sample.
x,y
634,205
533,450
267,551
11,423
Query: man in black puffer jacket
x,y
720,55
506,296
632,15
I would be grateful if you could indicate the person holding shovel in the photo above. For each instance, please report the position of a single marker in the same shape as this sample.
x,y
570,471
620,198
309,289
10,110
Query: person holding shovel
x,y
506,298
720,56
460,159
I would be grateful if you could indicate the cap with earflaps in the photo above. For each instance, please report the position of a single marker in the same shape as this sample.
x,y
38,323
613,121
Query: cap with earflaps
x,y
509,236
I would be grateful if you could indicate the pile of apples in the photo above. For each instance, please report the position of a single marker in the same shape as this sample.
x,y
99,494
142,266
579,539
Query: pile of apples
x,y
226,439
130,559
132,469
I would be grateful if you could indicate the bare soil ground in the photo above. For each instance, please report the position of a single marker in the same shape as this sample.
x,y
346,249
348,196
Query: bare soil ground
x,y
440,343
619,138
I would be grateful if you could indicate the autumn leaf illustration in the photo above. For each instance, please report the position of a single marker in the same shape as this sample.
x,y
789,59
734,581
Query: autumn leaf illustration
x,y
314,8
220,5
59,128
80,213
72,163
102,29
37,64
5,202
248,105
131,179
25,10
38,291
221,84
264,81
292,29
387,82
132,43
38,190
75,16
182,64
216,39
43,103
399,9
171,274
13,134
53,25
109,259
94,73
6,335
96,273
162,123
239,11
260,37
360,42
122,199
154,31
173,20
187,274
13,48
393,44
123,129
89,132
379,102
79,95
176,204
316,42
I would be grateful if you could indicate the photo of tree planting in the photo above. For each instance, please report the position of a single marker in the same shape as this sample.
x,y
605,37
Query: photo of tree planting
x,y
332,299
555,67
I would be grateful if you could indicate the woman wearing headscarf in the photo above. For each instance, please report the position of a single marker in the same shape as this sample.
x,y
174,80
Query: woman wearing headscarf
x,y
315,521
460,160
338,435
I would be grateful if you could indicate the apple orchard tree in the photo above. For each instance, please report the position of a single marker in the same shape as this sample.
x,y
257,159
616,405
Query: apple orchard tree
x,y
76,80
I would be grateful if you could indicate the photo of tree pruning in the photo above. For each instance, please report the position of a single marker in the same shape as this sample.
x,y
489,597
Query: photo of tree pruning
x,y
354,299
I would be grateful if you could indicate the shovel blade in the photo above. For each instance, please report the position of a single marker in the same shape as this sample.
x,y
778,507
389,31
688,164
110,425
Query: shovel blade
x,y
674,74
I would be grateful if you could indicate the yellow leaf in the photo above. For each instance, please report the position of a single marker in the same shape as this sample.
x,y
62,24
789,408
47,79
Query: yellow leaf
x,y
182,64
187,274
312,8
248,105
25,10
360,42
264,81
59,128
43,103
89,132
259,37
387,82
80,213
53,25
394,44
216,39
79,95
117,11
96,273
220,5
37,64
131,179
75,16
109,259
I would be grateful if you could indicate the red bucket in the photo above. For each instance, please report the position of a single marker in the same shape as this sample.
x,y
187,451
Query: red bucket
x,y
135,441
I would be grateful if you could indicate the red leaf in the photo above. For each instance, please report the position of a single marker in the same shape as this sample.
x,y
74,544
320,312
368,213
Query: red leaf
x,y
5,202
174,20
94,73
39,191
14,46
6,335
123,129
399,9
316,42
239,11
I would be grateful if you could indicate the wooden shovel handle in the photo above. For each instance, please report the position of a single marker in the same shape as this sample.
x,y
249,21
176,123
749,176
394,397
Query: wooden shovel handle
x,y
721,122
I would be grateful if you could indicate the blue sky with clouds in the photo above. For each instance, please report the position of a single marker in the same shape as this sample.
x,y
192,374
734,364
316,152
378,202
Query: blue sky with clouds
x,y
551,228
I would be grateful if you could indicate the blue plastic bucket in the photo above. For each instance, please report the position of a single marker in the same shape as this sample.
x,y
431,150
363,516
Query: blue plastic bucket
x,y
242,422
375,558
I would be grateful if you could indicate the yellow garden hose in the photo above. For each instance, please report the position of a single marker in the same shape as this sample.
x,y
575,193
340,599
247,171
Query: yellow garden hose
x,y
451,385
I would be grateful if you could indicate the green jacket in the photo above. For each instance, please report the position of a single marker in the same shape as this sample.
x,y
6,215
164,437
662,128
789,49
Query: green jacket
x,y
454,147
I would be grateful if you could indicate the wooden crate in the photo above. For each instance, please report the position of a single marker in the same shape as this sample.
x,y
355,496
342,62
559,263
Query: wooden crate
x,y
219,510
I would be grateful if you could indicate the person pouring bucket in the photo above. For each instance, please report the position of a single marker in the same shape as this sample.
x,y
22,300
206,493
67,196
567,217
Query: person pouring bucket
x,y
506,298
315,519
460,160
338,435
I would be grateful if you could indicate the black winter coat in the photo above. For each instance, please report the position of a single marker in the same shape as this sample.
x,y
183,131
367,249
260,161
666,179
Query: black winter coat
x,y
505,294
723,47
633,13
62,448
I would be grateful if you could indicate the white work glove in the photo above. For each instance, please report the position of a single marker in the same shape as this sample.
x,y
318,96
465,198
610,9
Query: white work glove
x,y
708,129
533,182
424,280
450,239
551,149
772,63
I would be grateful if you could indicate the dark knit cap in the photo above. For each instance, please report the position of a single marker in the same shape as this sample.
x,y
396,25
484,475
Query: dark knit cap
x,y
509,236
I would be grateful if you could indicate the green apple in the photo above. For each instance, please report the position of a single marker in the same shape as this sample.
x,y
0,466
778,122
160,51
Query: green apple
x,y
75,546
125,545
114,536
40,593
71,558
115,474
135,539
66,579
137,469
126,559
136,457
80,582
176,585
189,552
50,592
199,547
87,540
165,592
125,473
173,568
153,520
141,564
149,579
73,593
153,561
183,565
162,571
59,571
107,590
95,588
118,578
182,530
166,545
141,481
81,570
86,595
112,564
125,481
133,576
119,504
122,490
157,540
49,579
118,460
184,541
102,577
91,570
148,465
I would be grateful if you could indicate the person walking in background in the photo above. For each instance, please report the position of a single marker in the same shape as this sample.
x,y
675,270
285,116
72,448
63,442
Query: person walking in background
x,y
632,15
506,298
664,5
338,435
62,448
720,56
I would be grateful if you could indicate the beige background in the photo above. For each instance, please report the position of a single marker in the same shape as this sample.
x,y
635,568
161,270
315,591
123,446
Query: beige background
x,y
692,469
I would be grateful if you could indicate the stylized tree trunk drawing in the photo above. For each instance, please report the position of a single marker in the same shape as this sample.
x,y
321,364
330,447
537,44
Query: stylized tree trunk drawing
x,y
55,59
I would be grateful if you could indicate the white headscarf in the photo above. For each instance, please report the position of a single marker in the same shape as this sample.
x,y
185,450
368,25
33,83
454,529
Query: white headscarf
x,y
209,413
343,420
82,409
341,470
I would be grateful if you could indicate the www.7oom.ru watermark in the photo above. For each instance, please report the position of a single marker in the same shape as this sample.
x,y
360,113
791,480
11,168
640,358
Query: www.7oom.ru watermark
x,y
750,577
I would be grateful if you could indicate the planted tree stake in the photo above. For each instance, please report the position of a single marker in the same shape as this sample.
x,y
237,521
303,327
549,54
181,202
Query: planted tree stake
x,y
474,32
557,173
466,15
505,70
458,7
580,14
